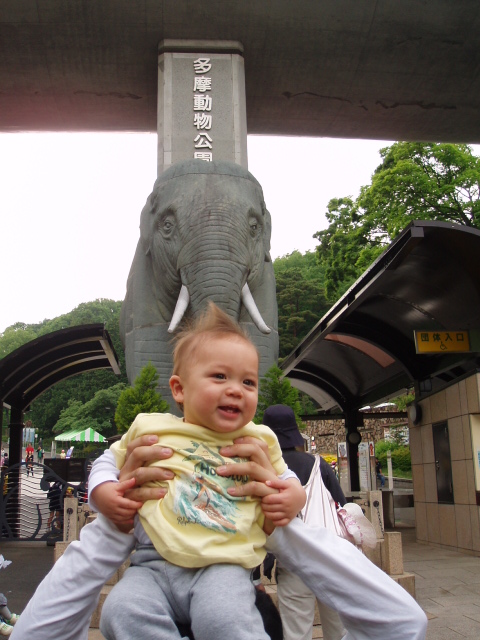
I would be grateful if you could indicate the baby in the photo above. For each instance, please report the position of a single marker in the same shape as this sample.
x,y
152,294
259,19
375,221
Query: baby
x,y
196,547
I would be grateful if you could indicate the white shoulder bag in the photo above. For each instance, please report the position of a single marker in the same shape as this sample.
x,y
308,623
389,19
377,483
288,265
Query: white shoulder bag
x,y
320,509
347,522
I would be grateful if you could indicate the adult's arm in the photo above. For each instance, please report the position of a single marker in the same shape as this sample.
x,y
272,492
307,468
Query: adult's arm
x,y
371,605
64,601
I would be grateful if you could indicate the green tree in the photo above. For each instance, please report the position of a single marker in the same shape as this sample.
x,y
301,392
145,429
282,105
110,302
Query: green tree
x,y
68,417
403,401
415,181
97,413
141,398
300,297
16,336
346,248
276,389
423,181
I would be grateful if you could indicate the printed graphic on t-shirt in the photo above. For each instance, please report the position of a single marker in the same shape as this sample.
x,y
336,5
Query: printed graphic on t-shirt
x,y
201,497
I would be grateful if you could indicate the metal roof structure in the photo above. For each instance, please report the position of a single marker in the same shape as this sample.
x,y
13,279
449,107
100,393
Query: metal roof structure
x,y
363,350
339,68
36,366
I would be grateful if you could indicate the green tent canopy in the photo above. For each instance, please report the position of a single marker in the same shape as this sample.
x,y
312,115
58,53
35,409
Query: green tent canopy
x,y
82,435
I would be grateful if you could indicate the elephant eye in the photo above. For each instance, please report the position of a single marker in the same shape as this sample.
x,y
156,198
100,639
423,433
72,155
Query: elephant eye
x,y
166,225
254,226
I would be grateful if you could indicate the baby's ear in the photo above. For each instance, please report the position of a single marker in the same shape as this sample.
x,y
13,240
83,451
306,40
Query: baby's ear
x,y
176,387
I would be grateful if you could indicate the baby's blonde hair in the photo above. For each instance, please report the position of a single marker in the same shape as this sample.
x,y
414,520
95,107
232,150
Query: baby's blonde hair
x,y
213,323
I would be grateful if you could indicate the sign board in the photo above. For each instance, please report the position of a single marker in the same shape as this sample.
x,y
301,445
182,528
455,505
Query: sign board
x,y
441,341
364,466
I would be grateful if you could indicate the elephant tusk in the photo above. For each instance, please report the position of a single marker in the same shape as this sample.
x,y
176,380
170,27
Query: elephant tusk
x,y
252,309
180,308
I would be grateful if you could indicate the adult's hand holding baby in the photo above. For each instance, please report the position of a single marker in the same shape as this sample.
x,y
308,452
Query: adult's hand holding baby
x,y
120,501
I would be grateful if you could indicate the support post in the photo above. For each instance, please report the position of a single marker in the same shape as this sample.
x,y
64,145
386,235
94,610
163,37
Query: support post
x,y
352,420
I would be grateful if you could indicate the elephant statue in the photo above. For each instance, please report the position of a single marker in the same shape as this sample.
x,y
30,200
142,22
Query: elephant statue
x,y
204,235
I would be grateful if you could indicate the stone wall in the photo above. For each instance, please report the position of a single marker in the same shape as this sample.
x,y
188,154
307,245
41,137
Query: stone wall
x,y
328,433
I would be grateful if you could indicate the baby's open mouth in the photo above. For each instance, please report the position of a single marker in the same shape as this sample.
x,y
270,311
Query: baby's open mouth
x,y
230,409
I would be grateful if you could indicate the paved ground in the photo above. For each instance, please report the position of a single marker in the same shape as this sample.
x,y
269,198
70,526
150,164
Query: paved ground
x,y
447,584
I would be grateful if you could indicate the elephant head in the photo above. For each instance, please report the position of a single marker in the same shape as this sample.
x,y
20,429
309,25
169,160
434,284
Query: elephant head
x,y
204,235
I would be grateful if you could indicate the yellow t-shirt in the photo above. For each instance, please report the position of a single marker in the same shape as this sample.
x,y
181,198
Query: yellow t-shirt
x,y
198,523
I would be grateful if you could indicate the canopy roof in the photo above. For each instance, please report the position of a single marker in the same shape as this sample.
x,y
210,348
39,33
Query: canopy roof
x,y
363,350
81,435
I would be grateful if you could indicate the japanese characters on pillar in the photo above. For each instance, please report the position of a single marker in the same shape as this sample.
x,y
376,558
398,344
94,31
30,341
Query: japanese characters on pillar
x,y
201,112
202,107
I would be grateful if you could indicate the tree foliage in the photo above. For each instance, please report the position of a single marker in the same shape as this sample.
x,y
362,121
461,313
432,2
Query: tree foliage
x,y
415,181
141,398
300,297
16,336
98,413
401,458
275,389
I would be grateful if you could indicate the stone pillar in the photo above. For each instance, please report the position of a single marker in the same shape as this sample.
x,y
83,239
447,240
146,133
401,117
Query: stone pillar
x,y
201,102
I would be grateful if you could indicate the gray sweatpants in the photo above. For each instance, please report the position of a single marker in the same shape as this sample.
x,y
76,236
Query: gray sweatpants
x,y
217,601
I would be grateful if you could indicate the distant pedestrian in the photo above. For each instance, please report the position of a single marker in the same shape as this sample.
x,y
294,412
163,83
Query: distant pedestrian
x,y
29,464
378,471
54,496
29,450
63,455
40,454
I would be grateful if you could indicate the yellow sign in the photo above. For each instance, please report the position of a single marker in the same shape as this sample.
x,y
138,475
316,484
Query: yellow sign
x,y
441,341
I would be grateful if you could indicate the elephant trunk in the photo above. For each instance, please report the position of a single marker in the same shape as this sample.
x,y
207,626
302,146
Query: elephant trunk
x,y
222,283
218,281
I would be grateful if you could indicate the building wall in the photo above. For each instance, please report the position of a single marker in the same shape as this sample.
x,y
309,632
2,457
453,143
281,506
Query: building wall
x,y
450,525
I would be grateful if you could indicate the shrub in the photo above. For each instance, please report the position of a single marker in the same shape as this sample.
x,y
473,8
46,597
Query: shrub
x,y
401,459
400,455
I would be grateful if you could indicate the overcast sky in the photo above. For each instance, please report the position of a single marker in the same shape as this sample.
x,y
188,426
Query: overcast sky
x,y
70,207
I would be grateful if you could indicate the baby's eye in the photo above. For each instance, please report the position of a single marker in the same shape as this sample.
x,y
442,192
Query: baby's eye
x,y
219,376
250,383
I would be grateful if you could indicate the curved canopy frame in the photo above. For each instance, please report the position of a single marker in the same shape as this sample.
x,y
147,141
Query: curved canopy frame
x,y
36,366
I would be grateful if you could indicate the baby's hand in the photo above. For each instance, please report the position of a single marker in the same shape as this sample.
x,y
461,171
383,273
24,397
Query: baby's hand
x,y
110,501
284,505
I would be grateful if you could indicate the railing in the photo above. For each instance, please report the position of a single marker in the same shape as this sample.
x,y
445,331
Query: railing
x,y
31,502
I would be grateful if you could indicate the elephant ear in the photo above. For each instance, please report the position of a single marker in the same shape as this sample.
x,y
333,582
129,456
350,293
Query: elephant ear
x,y
267,220
147,220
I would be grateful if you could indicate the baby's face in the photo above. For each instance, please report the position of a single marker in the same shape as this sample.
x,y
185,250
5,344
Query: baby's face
x,y
219,389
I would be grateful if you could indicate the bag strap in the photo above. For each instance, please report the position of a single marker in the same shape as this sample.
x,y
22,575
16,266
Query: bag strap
x,y
308,486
